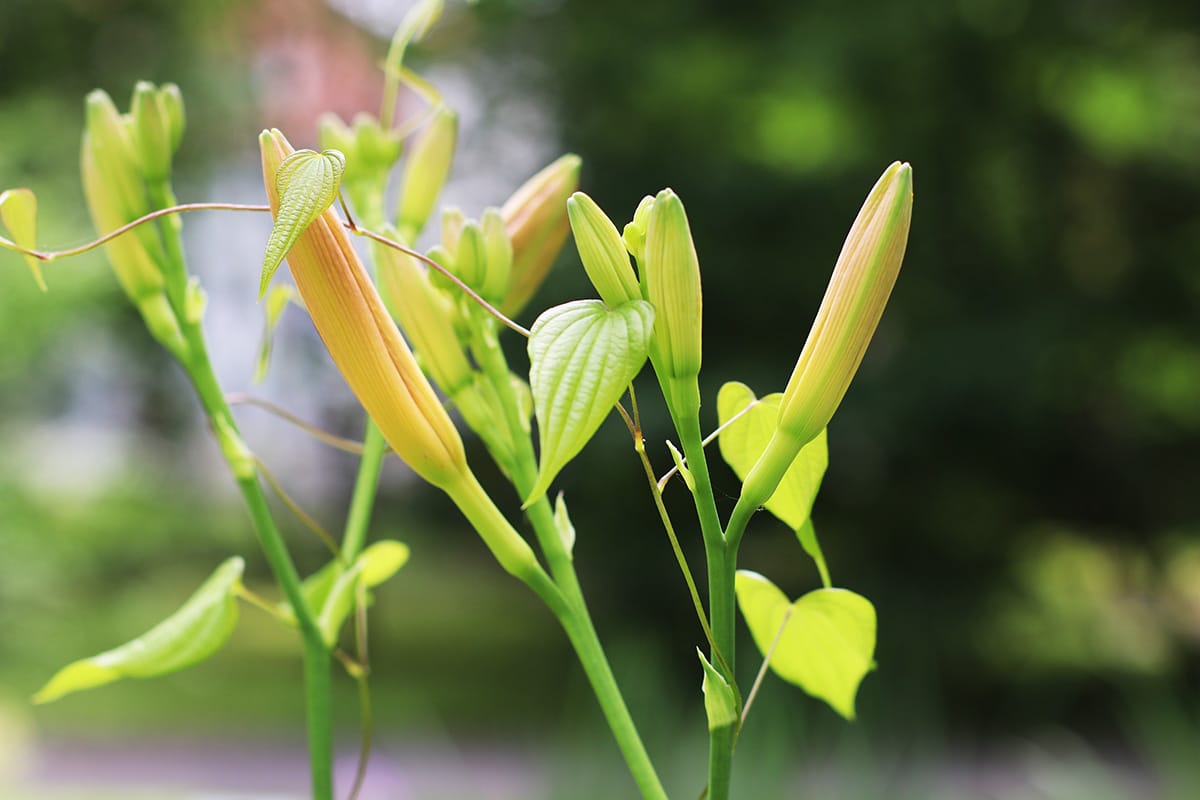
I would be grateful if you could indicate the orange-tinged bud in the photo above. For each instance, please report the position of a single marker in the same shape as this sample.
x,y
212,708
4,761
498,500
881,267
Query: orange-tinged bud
x,y
536,219
364,342
862,281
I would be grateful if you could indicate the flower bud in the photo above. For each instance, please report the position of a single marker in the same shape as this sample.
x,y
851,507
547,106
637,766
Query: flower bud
x,y
151,133
172,104
862,281
470,258
425,172
499,255
634,233
671,282
364,342
602,252
427,317
536,218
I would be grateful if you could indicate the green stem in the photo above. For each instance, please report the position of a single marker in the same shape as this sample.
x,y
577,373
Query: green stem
x,y
574,616
317,663
362,502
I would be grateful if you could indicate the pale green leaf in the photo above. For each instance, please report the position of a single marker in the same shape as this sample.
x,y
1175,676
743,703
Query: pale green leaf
x,y
808,540
382,560
824,642
18,211
720,706
330,590
582,357
563,524
277,300
744,440
681,467
190,635
307,183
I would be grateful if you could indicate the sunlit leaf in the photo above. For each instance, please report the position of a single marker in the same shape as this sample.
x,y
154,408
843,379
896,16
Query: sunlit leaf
x,y
745,439
720,706
18,211
190,635
824,642
307,184
582,357
808,540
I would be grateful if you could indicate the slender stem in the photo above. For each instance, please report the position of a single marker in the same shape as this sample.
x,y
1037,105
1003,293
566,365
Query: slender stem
x,y
317,665
362,502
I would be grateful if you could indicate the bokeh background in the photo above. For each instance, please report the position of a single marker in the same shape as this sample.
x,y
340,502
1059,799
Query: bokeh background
x,y
1014,475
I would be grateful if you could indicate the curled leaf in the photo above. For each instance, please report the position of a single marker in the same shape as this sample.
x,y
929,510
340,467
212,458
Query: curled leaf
x,y
190,635
307,183
824,642
582,357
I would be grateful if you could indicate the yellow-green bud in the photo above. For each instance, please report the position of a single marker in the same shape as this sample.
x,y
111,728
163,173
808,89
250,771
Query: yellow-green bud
x,y
379,149
536,218
635,231
602,251
108,137
498,248
425,172
172,103
427,317
151,132
862,281
470,257
333,134
671,282
453,220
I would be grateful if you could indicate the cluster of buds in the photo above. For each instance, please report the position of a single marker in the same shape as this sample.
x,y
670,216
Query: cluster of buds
x,y
477,252
660,241
122,158
370,150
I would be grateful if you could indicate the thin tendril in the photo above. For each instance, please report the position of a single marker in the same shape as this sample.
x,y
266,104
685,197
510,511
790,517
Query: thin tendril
x,y
337,442
762,671
707,440
299,512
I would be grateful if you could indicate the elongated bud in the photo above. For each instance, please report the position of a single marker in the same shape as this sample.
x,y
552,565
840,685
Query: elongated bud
x,y
470,258
499,255
426,171
151,132
364,342
172,103
862,281
634,233
426,315
112,185
602,252
671,282
536,218
334,134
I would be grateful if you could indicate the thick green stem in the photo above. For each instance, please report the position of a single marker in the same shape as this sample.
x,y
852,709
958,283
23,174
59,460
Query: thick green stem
x,y
362,502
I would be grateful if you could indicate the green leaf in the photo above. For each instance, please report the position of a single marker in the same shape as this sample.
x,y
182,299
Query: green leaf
x,y
190,635
681,467
719,704
824,642
307,183
18,211
582,357
744,440
329,591
277,300
563,524
808,540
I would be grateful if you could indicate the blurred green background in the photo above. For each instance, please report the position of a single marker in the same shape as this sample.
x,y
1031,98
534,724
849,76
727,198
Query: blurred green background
x,y
1013,476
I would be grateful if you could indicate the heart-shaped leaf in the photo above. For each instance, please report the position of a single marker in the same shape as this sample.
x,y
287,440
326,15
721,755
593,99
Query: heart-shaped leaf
x,y
307,183
582,357
18,210
190,635
745,438
824,642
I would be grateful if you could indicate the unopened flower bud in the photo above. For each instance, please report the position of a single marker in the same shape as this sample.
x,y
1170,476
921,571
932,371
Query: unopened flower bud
x,y
634,233
425,172
536,219
470,257
602,252
499,254
364,342
151,132
862,281
671,282
172,103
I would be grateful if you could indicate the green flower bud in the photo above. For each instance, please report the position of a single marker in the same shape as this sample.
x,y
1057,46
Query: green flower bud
x,y
499,250
108,137
151,133
453,220
536,218
379,149
333,134
425,172
470,258
602,252
635,231
862,281
171,100
671,282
